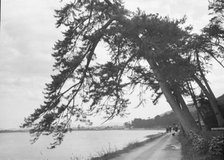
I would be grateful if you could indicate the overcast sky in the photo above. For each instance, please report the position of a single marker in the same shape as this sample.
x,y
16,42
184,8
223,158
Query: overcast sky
x,y
28,34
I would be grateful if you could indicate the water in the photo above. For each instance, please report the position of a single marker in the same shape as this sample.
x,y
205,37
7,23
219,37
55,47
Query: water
x,y
16,146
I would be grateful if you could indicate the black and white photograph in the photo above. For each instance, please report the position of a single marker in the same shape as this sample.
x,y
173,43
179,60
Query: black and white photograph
x,y
111,79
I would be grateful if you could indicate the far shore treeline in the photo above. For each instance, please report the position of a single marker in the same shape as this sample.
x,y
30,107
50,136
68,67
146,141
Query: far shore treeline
x,y
160,121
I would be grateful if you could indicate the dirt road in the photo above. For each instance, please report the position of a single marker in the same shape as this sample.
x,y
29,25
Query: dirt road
x,y
166,147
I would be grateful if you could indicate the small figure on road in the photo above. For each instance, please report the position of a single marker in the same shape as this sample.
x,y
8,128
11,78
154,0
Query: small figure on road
x,y
175,129
168,129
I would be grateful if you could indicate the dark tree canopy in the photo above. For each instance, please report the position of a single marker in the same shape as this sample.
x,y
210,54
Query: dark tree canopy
x,y
213,33
83,86
215,27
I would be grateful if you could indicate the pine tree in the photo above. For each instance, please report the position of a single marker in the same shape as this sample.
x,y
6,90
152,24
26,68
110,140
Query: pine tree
x,y
147,50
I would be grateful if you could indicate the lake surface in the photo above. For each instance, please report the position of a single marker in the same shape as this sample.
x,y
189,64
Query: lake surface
x,y
82,144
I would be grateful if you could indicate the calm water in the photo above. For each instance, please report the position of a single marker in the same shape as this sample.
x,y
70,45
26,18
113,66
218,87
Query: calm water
x,y
82,144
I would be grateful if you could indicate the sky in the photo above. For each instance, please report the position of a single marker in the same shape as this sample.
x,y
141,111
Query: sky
x,y
28,34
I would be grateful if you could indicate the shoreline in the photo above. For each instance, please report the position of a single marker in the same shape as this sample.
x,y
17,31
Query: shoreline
x,y
113,154
114,129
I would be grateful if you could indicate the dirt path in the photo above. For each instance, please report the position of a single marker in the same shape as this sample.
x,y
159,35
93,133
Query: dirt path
x,y
166,147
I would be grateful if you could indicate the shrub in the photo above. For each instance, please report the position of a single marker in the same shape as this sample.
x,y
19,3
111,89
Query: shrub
x,y
203,146
200,145
216,146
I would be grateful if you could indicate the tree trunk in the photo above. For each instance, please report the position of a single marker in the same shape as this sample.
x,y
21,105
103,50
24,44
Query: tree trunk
x,y
203,77
196,105
184,119
210,95
184,107
211,54
212,102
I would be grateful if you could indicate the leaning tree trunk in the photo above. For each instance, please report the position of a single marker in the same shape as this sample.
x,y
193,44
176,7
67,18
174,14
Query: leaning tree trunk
x,y
184,119
191,91
212,96
184,107
212,101
203,77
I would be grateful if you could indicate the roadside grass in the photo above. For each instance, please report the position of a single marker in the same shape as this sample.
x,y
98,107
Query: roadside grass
x,y
110,153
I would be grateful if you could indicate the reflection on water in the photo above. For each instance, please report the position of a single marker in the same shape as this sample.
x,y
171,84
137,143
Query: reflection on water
x,y
16,146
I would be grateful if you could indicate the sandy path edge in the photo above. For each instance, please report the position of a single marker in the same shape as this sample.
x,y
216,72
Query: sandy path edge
x,y
166,147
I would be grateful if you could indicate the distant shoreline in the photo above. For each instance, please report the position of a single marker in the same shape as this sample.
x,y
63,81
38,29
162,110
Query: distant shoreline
x,y
12,131
82,129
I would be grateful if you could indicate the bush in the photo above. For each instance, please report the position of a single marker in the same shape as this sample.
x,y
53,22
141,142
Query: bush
x,y
200,145
204,146
216,146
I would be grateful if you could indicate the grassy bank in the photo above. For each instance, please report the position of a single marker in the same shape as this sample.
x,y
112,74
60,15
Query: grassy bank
x,y
203,146
109,153
112,154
